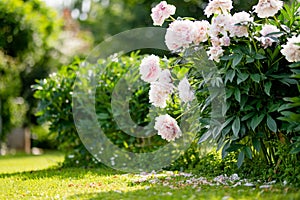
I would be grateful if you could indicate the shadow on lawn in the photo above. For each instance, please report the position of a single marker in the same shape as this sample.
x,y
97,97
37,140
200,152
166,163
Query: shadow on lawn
x,y
62,173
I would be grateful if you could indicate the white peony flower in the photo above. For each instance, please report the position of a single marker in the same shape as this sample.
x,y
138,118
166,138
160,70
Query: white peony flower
x,y
218,7
267,8
267,40
161,12
225,41
215,52
239,24
150,69
220,25
167,127
291,50
181,33
159,93
186,94
201,31
267,29
165,76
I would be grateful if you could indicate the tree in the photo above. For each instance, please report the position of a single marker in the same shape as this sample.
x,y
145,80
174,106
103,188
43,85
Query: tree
x,y
28,36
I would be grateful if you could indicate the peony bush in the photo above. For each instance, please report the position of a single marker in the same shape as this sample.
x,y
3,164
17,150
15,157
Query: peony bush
x,y
256,55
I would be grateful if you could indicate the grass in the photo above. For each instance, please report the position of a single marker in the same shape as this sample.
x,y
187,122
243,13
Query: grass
x,y
29,177
22,162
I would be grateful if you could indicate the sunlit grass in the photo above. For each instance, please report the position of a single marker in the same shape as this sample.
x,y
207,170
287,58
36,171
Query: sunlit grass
x,y
103,183
22,162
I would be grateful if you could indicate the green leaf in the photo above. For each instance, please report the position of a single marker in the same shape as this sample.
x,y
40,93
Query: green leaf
x,y
271,124
236,125
237,94
227,122
205,137
256,120
249,59
182,72
294,65
288,81
226,57
244,100
225,107
248,116
259,56
248,152
285,107
255,77
241,158
236,60
267,87
229,75
295,150
242,77
224,149
229,92
256,144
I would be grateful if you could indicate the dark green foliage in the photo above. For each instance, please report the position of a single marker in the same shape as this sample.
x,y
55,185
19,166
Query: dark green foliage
x,y
259,83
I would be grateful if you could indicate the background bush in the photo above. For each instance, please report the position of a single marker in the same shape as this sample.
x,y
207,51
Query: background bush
x,y
55,107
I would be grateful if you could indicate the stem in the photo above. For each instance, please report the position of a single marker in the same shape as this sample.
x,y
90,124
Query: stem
x,y
172,18
265,153
187,111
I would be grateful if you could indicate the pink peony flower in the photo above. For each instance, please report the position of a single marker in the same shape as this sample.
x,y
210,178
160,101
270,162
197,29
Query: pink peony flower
x,y
239,24
291,50
186,94
220,25
161,12
201,31
266,40
215,41
165,76
159,93
149,68
214,53
267,8
225,41
181,33
218,7
167,127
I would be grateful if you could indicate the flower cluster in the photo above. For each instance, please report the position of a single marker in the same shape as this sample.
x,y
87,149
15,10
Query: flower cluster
x,y
161,87
221,37
224,27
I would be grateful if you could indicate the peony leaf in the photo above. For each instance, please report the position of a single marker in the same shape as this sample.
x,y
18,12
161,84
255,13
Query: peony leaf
x,y
236,60
241,158
267,87
271,124
255,77
256,120
236,125
237,95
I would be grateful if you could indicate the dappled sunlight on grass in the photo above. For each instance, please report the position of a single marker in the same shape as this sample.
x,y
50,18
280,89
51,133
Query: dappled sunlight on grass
x,y
27,177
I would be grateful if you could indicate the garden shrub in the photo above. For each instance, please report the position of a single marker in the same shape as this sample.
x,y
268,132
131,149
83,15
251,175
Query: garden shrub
x,y
253,57
55,107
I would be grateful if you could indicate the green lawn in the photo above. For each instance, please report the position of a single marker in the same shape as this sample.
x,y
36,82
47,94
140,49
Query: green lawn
x,y
26,177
